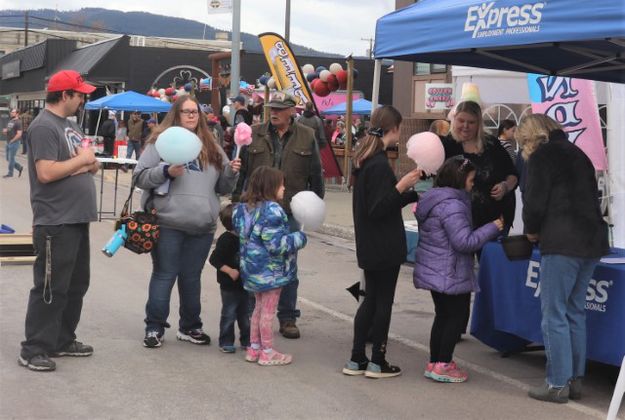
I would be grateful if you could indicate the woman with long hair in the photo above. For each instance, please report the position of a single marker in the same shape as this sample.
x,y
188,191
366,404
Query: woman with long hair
x,y
380,240
187,211
496,177
561,212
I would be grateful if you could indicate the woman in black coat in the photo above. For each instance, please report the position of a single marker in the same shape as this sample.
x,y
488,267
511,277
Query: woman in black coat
x,y
380,240
561,211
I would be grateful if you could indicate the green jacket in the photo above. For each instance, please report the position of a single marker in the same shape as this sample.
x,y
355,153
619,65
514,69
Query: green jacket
x,y
299,160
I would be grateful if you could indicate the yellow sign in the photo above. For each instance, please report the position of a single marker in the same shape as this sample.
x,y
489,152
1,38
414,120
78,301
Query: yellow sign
x,y
284,68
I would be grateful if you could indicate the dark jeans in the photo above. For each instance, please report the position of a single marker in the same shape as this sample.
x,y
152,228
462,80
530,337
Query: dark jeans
x,y
178,255
235,307
374,314
134,145
109,145
287,305
55,302
451,311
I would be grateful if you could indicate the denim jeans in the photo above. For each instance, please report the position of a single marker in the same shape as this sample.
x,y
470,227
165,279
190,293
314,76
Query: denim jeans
x,y
178,255
563,284
287,305
11,151
136,146
235,307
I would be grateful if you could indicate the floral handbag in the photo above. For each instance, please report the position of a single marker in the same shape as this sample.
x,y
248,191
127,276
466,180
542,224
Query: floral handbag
x,y
141,226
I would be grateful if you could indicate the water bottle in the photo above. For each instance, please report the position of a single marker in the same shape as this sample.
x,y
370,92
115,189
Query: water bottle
x,y
117,240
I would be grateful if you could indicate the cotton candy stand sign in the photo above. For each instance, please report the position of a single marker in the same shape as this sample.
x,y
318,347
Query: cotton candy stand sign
x,y
308,209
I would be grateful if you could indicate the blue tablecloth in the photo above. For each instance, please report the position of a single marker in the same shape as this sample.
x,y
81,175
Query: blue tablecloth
x,y
506,312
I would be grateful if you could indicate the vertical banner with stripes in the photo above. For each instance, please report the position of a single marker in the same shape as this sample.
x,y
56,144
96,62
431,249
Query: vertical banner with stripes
x,y
289,78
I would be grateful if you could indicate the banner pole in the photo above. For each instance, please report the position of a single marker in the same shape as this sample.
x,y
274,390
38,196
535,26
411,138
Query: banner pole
x,y
348,117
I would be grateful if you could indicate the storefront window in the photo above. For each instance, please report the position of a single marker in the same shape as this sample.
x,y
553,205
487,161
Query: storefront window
x,y
427,68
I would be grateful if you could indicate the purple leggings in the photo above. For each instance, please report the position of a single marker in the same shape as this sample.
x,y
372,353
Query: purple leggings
x,y
262,318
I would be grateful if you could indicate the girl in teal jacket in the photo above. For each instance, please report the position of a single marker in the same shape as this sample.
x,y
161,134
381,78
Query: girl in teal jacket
x,y
268,252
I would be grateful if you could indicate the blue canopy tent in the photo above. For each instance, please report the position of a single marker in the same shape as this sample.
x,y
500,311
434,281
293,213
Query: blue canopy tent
x,y
129,101
574,38
359,107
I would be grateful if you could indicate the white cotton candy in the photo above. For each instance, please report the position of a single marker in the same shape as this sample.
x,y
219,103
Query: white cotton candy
x,y
308,209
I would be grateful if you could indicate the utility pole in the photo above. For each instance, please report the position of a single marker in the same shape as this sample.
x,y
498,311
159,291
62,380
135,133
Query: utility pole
x,y
287,21
370,50
26,28
235,67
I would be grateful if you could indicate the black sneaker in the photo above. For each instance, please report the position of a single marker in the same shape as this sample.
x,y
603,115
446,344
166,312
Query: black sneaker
x,y
75,349
38,363
19,172
153,339
545,392
352,368
385,370
196,336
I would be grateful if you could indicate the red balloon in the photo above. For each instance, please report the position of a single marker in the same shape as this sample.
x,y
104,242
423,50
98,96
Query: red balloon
x,y
170,91
341,76
313,83
333,83
321,88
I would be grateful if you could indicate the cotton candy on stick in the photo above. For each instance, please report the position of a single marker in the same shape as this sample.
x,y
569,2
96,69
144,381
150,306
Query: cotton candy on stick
x,y
426,149
242,137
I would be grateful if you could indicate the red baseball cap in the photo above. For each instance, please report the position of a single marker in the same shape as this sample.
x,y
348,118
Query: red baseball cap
x,y
69,80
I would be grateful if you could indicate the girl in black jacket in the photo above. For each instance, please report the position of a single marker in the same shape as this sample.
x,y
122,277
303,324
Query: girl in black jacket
x,y
380,240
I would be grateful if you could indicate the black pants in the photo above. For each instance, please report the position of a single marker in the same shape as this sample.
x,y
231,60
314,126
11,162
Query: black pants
x,y
109,146
451,312
55,301
374,314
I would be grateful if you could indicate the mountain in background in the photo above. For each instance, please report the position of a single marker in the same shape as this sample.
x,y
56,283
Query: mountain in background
x,y
91,19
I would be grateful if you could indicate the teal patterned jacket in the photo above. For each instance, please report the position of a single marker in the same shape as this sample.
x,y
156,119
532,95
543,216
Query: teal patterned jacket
x,y
268,248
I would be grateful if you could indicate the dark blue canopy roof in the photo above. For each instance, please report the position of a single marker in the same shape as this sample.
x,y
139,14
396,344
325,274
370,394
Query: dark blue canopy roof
x,y
129,101
576,38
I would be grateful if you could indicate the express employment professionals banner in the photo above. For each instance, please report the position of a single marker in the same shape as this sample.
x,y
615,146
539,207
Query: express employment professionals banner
x,y
289,78
571,102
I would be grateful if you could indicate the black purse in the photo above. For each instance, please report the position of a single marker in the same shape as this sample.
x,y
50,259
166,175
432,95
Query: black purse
x,y
141,226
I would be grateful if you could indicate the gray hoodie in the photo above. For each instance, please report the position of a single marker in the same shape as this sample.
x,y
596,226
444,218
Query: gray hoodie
x,y
192,203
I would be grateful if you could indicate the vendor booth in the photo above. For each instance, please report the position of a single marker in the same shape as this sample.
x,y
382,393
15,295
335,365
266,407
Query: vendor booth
x,y
124,101
359,107
572,38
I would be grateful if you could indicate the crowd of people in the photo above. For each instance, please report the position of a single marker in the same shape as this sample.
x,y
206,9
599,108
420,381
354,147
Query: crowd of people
x,y
471,202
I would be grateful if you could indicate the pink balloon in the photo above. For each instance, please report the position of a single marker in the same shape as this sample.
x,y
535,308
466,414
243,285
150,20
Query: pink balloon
x,y
426,149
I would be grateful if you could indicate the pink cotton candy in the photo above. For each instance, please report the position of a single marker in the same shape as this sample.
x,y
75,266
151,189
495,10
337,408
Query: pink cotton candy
x,y
426,149
243,135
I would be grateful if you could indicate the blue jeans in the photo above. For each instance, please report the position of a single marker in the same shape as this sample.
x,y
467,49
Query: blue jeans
x,y
136,146
287,305
11,151
178,255
563,284
235,307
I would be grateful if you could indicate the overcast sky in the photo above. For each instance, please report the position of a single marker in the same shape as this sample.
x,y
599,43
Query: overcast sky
x,y
326,25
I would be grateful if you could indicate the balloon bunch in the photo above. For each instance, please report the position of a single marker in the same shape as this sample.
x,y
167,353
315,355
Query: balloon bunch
x,y
267,80
170,94
323,81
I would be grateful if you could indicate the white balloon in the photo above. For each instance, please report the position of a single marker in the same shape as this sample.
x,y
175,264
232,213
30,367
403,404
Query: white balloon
x,y
225,111
324,75
335,68
308,209
308,68
161,91
271,83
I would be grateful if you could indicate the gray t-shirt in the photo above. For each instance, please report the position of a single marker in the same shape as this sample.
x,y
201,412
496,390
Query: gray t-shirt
x,y
68,200
13,127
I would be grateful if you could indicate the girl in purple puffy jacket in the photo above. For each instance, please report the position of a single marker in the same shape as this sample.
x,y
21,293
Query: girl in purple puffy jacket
x,y
444,260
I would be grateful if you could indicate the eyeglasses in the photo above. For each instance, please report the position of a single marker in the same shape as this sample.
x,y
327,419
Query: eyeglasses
x,y
190,112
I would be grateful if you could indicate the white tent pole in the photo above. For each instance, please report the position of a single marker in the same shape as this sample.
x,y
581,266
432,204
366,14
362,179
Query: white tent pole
x,y
616,157
375,93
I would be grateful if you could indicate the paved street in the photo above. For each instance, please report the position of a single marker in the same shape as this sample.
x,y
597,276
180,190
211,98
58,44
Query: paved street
x,y
181,380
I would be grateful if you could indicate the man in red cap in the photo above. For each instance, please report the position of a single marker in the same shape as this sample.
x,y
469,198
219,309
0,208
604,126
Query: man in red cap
x,y
63,200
